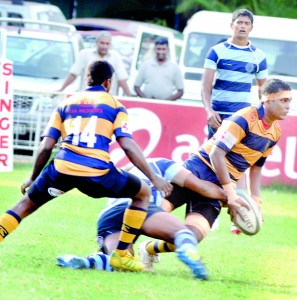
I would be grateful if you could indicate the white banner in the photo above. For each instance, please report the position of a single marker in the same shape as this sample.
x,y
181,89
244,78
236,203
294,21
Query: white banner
x,y
6,109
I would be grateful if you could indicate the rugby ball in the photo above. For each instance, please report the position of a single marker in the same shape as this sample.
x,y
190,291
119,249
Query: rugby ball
x,y
253,217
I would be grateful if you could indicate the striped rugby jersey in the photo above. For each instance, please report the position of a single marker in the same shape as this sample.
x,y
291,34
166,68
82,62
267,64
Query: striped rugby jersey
x,y
236,67
244,139
163,167
86,122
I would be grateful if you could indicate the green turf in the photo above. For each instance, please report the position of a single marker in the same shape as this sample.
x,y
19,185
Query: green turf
x,y
241,267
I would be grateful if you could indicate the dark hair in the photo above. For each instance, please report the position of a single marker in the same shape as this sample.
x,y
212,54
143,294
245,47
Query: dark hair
x,y
274,85
161,41
242,13
99,71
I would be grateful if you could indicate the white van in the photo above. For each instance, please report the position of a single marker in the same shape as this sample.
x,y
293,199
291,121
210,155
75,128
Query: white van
x,y
275,36
41,60
30,10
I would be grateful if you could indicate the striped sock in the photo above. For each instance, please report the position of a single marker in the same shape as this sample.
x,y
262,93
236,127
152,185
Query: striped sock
x,y
132,222
185,237
9,221
99,261
154,247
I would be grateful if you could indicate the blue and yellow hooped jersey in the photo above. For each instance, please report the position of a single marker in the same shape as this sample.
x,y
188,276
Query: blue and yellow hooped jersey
x,y
245,140
86,122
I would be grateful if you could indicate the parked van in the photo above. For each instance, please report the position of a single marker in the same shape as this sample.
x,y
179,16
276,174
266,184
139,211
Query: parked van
x,y
30,10
275,36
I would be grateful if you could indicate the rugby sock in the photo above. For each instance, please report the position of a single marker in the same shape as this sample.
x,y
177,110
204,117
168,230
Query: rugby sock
x,y
154,247
132,222
9,221
185,238
99,261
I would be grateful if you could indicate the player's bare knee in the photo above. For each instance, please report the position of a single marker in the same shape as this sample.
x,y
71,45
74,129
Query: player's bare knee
x,y
198,224
166,205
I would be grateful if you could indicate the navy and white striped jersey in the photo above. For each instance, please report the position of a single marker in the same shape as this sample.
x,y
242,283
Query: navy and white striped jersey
x,y
236,67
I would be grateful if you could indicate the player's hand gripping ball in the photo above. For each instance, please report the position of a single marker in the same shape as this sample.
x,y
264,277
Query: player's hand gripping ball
x,y
252,222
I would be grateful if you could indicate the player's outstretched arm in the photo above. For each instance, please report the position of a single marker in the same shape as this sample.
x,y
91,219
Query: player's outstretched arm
x,y
217,157
136,156
187,179
205,188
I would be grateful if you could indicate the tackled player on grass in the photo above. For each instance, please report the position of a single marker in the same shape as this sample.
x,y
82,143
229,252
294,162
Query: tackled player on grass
x,y
158,224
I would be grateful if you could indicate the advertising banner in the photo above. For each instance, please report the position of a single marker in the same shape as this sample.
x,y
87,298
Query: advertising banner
x,y
6,109
174,130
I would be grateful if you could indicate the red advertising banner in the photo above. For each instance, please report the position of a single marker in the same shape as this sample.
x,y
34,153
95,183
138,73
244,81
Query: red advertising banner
x,y
174,130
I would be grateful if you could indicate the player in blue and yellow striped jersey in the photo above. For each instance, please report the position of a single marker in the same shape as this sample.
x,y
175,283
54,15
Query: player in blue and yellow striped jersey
x,y
243,141
86,123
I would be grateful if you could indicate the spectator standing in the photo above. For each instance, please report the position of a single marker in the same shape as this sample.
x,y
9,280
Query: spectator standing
x,y
230,68
102,51
161,77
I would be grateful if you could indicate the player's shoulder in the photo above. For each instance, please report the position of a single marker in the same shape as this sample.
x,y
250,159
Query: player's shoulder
x,y
246,117
164,167
221,45
117,102
257,50
250,113
71,99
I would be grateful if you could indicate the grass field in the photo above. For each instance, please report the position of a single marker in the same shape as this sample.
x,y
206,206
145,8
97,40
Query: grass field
x,y
241,267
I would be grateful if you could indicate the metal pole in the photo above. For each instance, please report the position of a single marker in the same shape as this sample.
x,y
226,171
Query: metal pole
x,y
74,9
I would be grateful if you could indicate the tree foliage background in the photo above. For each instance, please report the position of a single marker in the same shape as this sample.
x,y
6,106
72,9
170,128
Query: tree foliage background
x,y
273,8
171,13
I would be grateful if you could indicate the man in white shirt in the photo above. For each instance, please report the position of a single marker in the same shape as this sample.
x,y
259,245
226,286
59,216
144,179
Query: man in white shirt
x,y
101,52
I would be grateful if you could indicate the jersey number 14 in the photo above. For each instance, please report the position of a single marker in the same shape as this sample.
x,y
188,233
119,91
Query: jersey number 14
x,y
88,133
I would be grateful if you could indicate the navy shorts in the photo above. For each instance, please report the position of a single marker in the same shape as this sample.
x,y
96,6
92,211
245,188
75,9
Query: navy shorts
x,y
115,184
111,221
195,203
